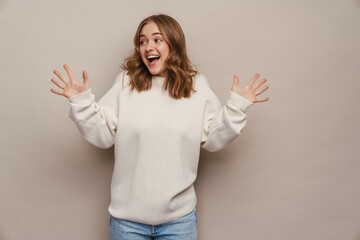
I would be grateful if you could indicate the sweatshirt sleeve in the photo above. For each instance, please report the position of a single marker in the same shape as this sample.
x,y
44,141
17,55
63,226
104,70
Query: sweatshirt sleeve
x,y
222,124
97,121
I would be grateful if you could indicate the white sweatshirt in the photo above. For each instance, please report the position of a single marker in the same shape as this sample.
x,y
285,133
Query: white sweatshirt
x,y
157,143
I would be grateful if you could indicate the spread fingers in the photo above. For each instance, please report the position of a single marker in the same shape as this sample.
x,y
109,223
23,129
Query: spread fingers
x,y
261,90
252,81
57,83
62,78
69,72
258,84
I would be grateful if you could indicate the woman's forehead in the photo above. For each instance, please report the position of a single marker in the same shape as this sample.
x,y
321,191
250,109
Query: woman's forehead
x,y
149,29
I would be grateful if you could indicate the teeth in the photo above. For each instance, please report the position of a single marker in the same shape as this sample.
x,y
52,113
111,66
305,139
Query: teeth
x,y
150,57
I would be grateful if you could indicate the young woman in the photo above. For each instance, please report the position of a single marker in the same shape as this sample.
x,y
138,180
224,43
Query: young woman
x,y
158,113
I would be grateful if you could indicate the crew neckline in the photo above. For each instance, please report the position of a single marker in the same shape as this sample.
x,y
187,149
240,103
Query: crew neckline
x,y
158,78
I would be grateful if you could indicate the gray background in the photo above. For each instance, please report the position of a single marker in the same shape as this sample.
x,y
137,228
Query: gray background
x,y
294,172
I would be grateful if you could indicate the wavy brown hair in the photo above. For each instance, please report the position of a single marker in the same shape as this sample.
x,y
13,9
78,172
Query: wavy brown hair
x,y
180,71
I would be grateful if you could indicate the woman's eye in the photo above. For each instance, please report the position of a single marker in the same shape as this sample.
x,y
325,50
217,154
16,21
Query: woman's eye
x,y
157,40
142,42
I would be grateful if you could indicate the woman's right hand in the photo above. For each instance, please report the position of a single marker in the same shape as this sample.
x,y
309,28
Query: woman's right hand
x,y
72,87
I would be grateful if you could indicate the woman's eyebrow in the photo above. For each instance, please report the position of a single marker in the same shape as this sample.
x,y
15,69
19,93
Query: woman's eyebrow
x,y
156,33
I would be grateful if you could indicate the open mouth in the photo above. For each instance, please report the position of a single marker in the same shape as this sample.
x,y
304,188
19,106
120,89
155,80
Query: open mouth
x,y
153,59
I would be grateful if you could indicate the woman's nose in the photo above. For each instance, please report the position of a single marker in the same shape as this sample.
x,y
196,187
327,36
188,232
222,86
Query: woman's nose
x,y
149,46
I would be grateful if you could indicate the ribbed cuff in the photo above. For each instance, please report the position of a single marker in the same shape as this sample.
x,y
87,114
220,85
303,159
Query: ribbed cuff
x,y
82,97
240,102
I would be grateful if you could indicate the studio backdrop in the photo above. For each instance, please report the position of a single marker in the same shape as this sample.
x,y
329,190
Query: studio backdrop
x,y
293,173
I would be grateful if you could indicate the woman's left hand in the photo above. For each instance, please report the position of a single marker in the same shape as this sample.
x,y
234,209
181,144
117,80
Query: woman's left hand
x,y
250,90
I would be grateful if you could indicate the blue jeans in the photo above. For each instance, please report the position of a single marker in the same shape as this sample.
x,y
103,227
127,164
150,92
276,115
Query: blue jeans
x,y
184,228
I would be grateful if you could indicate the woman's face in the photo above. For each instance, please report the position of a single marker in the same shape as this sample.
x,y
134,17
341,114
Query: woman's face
x,y
153,49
